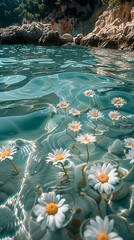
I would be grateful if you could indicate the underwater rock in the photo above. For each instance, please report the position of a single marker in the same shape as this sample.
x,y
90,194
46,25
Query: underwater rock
x,y
8,222
117,147
120,192
122,227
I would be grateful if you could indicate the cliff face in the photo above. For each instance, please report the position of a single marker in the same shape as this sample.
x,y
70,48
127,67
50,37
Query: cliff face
x,y
75,17
114,28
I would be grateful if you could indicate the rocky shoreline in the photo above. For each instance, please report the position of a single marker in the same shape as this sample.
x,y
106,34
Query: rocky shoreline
x,y
113,29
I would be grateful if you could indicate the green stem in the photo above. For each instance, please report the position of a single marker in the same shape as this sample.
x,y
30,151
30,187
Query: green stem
x,y
95,126
102,137
64,170
118,108
87,153
128,172
16,169
84,110
66,118
39,191
120,162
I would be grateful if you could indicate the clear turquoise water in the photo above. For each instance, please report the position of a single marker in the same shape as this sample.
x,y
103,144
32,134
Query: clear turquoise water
x,y
33,80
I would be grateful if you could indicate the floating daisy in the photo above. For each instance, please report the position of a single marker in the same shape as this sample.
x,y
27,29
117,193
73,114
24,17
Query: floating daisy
x,y
100,229
58,155
7,151
118,101
114,115
50,211
89,93
130,155
74,126
94,114
103,177
74,111
129,142
63,105
86,138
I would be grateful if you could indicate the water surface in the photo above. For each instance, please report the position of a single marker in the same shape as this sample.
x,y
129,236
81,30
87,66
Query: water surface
x,y
33,80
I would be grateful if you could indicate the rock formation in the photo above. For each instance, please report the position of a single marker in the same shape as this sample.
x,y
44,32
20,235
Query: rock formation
x,y
113,29
34,33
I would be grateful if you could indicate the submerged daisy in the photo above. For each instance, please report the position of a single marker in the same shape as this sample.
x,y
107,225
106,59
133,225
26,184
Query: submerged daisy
x,y
100,229
94,114
74,111
58,155
89,93
130,156
7,151
114,115
50,211
118,101
129,142
63,105
86,138
103,177
74,126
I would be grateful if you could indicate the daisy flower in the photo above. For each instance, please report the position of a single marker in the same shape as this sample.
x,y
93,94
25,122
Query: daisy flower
x,y
7,151
118,101
94,114
74,112
129,142
103,177
86,138
50,211
130,155
89,93
58,155
114,115
74,126
63,105
100,229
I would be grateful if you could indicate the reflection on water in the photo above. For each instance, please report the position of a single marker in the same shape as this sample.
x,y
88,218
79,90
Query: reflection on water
x,y
36,83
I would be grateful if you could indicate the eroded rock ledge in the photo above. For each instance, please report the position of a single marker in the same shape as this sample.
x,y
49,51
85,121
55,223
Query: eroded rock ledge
x,y
34,33
113,29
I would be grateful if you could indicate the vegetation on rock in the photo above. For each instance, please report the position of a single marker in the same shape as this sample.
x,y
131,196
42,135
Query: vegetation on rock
x,y
20,11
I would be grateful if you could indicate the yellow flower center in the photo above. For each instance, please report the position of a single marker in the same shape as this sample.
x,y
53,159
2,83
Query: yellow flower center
x,y
114,116
74,113
5,154
102,236
103,178
75,128
63,105
89,94
58,157
118,102
95,115
132,145
51,209
86,139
